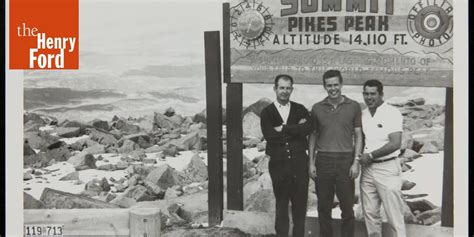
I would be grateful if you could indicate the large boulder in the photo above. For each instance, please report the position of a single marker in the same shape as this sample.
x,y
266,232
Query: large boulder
x,y
169,150
82,161
55,199
100,124
139,193
71,176
420,206
31,126
128,129
262,201
249,169
170,112
82,143
123,201
177,119
200,117
29,202
262,163
164,121
106,196
251,188
95,149
143,140
426,112
434,136
256,223
104,138
429,147
34,118
191,141
68,132
40,140
258,106
266,180
147,124
39,160
195,207
128,146
164,176
139,169
173,192
58,151
135,155
251,126
197,126
98,185
153,188
27,150
74,123
196,170
414,102
27,176
430,217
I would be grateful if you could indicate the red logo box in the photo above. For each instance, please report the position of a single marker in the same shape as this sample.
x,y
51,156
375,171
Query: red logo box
x,y
44,34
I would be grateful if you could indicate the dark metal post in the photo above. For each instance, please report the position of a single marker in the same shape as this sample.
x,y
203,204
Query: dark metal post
x,y
235,195
214,126
447,202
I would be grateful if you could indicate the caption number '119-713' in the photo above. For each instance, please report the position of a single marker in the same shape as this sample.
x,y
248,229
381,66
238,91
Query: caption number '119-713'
x,y
43,230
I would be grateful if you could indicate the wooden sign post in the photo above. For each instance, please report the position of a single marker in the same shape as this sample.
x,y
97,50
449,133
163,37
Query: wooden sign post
x,y
214,126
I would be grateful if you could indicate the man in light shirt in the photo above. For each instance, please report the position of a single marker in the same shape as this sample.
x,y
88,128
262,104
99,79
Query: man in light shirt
x,y
285,125
381,180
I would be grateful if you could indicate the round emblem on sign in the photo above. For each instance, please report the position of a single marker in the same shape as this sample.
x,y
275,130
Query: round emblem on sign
x,y
431,24
250,23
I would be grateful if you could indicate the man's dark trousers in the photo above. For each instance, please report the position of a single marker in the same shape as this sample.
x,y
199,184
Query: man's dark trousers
x,y
290,184
332,170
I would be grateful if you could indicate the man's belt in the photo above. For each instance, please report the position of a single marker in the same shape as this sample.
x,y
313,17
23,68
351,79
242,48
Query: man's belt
x,y
383,160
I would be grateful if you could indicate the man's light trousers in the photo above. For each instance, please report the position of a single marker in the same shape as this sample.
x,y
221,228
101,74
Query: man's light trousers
x,y
381,184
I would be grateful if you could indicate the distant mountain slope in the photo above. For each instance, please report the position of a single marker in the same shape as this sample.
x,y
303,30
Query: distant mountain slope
x,y
167,71
46,97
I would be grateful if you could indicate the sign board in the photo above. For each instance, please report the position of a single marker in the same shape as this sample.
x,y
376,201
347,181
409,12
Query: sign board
x,y
401,43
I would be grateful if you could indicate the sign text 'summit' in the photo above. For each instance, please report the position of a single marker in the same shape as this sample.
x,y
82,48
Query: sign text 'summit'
x,y
310,6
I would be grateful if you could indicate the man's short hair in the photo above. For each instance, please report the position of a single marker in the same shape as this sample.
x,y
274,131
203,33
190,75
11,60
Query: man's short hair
x,y
284,77
330,74
374,83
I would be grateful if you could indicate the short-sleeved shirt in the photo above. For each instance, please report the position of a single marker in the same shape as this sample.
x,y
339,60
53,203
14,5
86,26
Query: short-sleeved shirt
x,y
387,119
335,126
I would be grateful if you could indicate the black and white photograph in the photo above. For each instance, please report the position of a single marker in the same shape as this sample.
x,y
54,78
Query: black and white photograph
x,y
245,118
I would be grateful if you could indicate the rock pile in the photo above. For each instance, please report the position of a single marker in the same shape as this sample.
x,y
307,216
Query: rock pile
x,y
167,134
47,142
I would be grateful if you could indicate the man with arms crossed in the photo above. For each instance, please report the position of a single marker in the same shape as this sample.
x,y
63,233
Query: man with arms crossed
x,y
336,138
381,182
285,125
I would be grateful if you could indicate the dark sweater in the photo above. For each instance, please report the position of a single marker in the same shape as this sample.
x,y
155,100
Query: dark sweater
x,y
293,133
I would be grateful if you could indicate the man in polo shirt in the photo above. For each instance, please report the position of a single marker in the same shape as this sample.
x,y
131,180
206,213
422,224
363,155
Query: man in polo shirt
x,y
336,138
381,182
285,125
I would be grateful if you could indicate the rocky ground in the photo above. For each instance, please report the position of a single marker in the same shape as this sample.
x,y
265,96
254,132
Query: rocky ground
x,y
161,161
